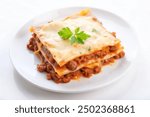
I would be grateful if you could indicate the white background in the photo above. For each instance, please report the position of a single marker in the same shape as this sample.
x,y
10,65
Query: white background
x,y
134,85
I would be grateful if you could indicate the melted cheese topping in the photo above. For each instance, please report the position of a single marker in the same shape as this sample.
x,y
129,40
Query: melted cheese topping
x,y
61,50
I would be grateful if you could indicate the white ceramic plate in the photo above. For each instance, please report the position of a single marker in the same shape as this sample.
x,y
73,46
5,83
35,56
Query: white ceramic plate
x,y
25,62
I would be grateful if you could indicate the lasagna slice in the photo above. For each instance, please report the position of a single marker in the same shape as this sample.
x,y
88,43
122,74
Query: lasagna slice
x,y
76,46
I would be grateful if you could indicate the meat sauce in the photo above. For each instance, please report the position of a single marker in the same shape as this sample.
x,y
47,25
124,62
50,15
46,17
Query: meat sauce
x,y
72,65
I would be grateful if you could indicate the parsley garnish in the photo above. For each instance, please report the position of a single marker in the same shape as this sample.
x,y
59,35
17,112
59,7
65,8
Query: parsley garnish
x,y
76,37
65,33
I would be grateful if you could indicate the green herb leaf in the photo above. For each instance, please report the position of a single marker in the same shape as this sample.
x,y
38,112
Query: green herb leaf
x,y
65,33
77,30
82,35
77,37
80,41
72,39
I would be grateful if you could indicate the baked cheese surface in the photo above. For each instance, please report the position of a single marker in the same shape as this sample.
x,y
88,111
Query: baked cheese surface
x,y
61,50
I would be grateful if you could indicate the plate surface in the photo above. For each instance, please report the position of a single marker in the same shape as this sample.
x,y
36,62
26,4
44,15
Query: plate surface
x,y
25,62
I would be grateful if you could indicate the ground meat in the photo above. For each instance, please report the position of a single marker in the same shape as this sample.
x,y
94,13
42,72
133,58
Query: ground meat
x,y
30,47
102,62
34,35
49,68
77,73
112,48
48,76
105,62
116,57
94,19
88,57
41,67
72,65
96,69
86,72
48,54
55,77
51,60
121,54
83,59
111,60
101,54
78,60
35,48
41,57
114,34
66,79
